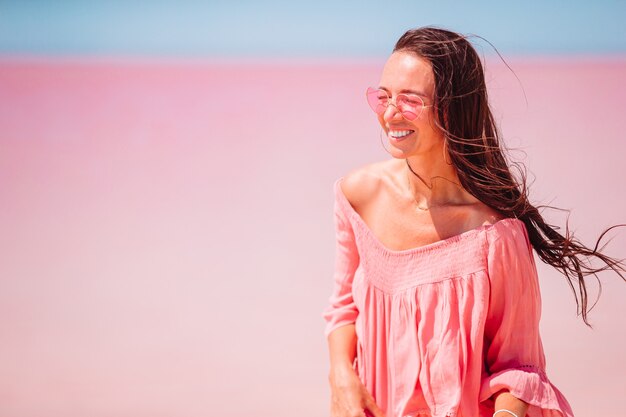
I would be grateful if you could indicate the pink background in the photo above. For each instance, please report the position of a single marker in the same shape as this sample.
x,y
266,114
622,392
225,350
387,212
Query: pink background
x,y
167,240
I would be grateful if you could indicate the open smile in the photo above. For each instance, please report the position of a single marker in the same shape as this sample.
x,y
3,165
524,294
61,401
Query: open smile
x,y
399,135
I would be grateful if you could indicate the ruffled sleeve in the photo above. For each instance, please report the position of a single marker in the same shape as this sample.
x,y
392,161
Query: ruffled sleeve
x,y
513,351
341,309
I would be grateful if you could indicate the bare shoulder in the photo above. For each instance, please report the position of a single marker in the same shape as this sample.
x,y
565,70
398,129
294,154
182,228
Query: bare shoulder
x,y
483,215
479,214
361,184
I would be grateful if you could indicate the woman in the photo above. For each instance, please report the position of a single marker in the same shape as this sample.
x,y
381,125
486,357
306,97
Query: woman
x,y
436,303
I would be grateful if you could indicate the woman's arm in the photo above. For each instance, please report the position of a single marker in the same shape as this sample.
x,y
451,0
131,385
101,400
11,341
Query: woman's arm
x,y
505,400
513,352
342,347
349,397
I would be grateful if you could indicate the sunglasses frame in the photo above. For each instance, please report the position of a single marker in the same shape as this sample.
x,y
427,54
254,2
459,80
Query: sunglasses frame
x,y
393,102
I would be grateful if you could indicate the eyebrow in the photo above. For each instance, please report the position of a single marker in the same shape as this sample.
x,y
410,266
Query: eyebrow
x,y
419,93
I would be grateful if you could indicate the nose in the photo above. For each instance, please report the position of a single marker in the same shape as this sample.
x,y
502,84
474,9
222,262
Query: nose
x,y
391,114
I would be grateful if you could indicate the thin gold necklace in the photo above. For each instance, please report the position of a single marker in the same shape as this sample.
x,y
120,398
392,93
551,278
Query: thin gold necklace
x,y
429,187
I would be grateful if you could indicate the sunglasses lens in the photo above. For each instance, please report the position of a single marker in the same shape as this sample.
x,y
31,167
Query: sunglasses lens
x,y
409,114
377,100
410,106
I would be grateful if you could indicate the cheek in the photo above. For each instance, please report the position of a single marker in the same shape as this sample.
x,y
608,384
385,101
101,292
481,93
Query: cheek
x,y
433,119
430,121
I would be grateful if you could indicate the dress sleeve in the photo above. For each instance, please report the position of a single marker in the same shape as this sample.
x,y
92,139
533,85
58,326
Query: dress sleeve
x,y
341,309
513,351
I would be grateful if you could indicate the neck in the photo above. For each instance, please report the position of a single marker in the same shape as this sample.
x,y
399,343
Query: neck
x,y
439,183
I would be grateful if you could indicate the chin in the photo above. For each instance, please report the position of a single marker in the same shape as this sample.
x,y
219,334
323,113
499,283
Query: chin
x,y
401,148
398,153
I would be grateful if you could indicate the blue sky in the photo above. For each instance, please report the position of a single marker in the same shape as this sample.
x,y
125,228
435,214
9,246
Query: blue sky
x,y
301,29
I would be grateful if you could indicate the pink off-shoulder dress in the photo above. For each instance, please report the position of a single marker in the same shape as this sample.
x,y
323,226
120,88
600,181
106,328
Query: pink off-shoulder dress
x,y
442,327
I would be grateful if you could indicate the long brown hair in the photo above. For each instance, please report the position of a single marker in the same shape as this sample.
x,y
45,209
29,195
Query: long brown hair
x,y
473,142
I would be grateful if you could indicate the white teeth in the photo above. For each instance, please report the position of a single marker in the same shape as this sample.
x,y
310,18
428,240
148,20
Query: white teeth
x,y
399,133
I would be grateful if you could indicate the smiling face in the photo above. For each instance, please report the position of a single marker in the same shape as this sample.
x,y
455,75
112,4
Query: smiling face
x,y
407,73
